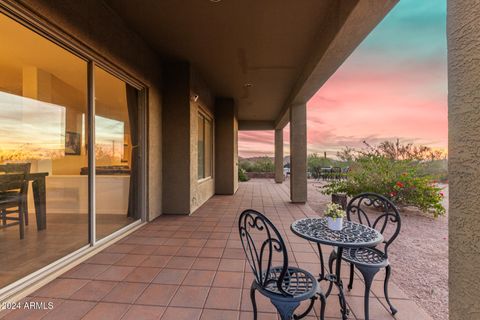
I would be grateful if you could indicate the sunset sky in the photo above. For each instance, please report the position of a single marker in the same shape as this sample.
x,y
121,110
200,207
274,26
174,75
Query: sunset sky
x,y
394,85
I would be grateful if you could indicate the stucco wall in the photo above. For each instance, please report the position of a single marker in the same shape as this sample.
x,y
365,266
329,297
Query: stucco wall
x,y
94,24
463,30
200,190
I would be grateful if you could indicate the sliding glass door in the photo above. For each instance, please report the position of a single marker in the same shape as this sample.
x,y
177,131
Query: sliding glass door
x,y
116,153
44,152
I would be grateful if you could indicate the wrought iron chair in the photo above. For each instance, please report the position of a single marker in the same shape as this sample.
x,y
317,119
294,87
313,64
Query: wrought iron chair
x,y
379,213
12,200
23,168
285,286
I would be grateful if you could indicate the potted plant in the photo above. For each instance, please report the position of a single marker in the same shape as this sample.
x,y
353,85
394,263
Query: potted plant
x,y
334,214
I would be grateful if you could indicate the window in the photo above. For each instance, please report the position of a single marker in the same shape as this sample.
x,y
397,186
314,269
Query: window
x,y
205,146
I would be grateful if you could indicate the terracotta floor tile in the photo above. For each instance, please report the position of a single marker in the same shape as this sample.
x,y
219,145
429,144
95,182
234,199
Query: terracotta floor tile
x,y
50,304
133,260
94,290
157,294
142,274
232,265
213,243
192,297
212,314
125,292
223,298
180,262
195,242
206,264
211,252
228,279
137,312
166,250
188,252
70,310
144,249
60,288
175,313
156,261
170,276
261,316
107,311
199,278
115,273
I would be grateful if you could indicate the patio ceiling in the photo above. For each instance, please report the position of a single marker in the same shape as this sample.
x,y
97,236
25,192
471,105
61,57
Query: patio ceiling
x,y
265,54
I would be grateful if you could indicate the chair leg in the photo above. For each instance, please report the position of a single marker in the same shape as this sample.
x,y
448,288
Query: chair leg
x,y
323,303
25,211
352,271
385,289
4,216
368,275
20,221
285,309
254,302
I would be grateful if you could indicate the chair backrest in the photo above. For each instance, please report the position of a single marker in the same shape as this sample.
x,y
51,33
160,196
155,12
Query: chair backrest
x,y
13,182
378,212
16,168
261,241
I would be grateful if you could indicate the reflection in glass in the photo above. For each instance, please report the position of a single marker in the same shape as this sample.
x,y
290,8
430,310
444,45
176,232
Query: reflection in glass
x,y
42,141
116,153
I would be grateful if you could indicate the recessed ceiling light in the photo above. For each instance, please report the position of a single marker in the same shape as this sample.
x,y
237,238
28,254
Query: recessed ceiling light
x,y
248,85
215,1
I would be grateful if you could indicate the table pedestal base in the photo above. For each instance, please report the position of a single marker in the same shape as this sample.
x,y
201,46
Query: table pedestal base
x,y
334,279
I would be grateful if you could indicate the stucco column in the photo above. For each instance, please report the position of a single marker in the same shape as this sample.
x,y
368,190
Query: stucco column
x,y
463,32
226,147
279,176
298,153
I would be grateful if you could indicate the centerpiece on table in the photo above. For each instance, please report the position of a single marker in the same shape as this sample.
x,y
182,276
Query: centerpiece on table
x,y
334,214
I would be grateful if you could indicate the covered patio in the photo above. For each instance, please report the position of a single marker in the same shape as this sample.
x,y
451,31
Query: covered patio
x,y
192,267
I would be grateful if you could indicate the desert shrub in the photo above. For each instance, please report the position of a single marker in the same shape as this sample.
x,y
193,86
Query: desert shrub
x,y
398,180
242,175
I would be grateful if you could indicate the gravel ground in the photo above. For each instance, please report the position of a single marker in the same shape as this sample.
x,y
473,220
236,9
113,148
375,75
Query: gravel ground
x,y
419,256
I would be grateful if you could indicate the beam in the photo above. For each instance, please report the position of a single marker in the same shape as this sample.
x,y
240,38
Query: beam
x,y
246,125
339,35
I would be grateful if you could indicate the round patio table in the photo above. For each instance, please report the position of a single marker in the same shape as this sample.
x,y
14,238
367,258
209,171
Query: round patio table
x,y
352,235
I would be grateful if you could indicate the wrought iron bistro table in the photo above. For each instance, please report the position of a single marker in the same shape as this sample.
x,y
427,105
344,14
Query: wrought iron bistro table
x,y
353,235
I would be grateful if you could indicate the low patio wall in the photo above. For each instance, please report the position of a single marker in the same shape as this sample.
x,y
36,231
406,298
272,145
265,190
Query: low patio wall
x,y
261,175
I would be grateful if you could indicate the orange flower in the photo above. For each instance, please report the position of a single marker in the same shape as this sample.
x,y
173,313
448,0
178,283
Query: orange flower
x,y
400,185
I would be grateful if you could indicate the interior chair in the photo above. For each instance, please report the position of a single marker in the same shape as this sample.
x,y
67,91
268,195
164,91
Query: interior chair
x,y
285,286
377,212
12,200
19,168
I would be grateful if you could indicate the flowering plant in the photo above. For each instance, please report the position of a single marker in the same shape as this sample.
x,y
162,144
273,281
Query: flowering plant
x,y
334,211
398,180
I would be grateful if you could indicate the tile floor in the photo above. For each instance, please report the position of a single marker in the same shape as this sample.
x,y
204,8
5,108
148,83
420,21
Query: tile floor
x,y
180,267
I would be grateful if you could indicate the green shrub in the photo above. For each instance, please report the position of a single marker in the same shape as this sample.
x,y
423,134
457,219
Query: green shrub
x,y
398,180
262,164
242,175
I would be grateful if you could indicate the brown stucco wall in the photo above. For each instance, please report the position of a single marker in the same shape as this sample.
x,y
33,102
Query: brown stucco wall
x,y
463,30
94,24
183,193
226,132
176,138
